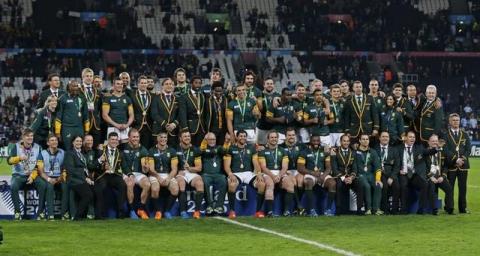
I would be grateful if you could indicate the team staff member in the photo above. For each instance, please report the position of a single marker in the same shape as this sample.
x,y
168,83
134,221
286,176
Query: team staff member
x,y
458,148
241,166
91,155
109,174
44,123
361,114
93,97
142,102
430,118
273,161
437,176
314,164
403,106
215,77
117,111
377,95
265,104
165,112
72,115
191,110
190,164
78,178
391,121
134,166
163,175
369,173
54,89
413,172
212,174
54,174
26,160
242,113
214,113
390,163
346,176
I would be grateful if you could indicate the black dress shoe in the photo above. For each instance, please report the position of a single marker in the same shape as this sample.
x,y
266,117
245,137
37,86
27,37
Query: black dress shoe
x,y
450,211
464,211
435,212
420,212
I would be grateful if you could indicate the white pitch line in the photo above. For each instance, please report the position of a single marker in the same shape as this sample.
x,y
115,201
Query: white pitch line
x,y
473,186
290,237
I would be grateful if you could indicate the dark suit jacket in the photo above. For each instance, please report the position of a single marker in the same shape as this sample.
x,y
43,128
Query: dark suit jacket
x,y
189,106
209,111
363,118
142,122
75,168
163,114
393,162
419,156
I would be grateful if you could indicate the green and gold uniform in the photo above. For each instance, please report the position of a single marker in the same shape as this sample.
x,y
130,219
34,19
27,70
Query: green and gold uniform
x,y
253,91
241,158
94,99
43,125
368,168
266,103
457,146
72,118
142,102
190,112
132,159
407,112
46,93
192,156
316,111
286,110
361,115
213,174
429,120
337,108
163,159
118,107
273,158
391,121
241,112
165,111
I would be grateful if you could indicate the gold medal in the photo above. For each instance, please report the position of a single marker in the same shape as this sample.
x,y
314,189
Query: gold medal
x,y
214,164
457,148
276,167
337,120
161,168
198,112
241,166
316,169
79,114
365,168
144,113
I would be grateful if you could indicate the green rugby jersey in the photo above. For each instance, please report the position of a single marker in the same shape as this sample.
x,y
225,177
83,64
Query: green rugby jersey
x,y
117,108
313,159
273,158
241,159
132,158
241,112
163,159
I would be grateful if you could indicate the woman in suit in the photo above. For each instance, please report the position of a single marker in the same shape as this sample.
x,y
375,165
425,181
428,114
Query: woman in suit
x,y
77,177
43,124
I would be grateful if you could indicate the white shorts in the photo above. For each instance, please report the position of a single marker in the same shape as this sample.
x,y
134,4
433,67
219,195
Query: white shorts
x,y
326,140
261,136
275,172
138,177
251,137
308,176
293,172
335,139
245,177
162,176
304,135
189,176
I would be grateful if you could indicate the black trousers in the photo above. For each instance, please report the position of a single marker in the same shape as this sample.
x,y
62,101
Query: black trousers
x,y
146,138
433,194
414,182
113,181
393,190
343,195
98,137
462,187
84,196
198,138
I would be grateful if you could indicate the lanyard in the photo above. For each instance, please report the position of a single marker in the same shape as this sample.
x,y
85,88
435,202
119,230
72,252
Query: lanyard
x,y
242,109
185,156
366,159
316,157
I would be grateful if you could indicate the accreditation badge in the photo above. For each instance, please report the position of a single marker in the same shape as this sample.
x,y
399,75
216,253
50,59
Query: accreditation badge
x,y
90,106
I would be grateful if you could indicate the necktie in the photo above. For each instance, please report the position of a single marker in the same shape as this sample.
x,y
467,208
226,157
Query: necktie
x,y
359,100
409,150
55,94
89,92
112,152
455,133
144,99
344,152
383,153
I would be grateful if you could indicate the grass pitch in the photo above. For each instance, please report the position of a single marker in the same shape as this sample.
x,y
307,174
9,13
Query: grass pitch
x,y
371,235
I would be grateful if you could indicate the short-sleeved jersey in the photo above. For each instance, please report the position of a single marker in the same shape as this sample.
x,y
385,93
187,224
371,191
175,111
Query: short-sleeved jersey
x,y
273,158
192,156
242,113
163,159
313,159
118,108
241,158
132,158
